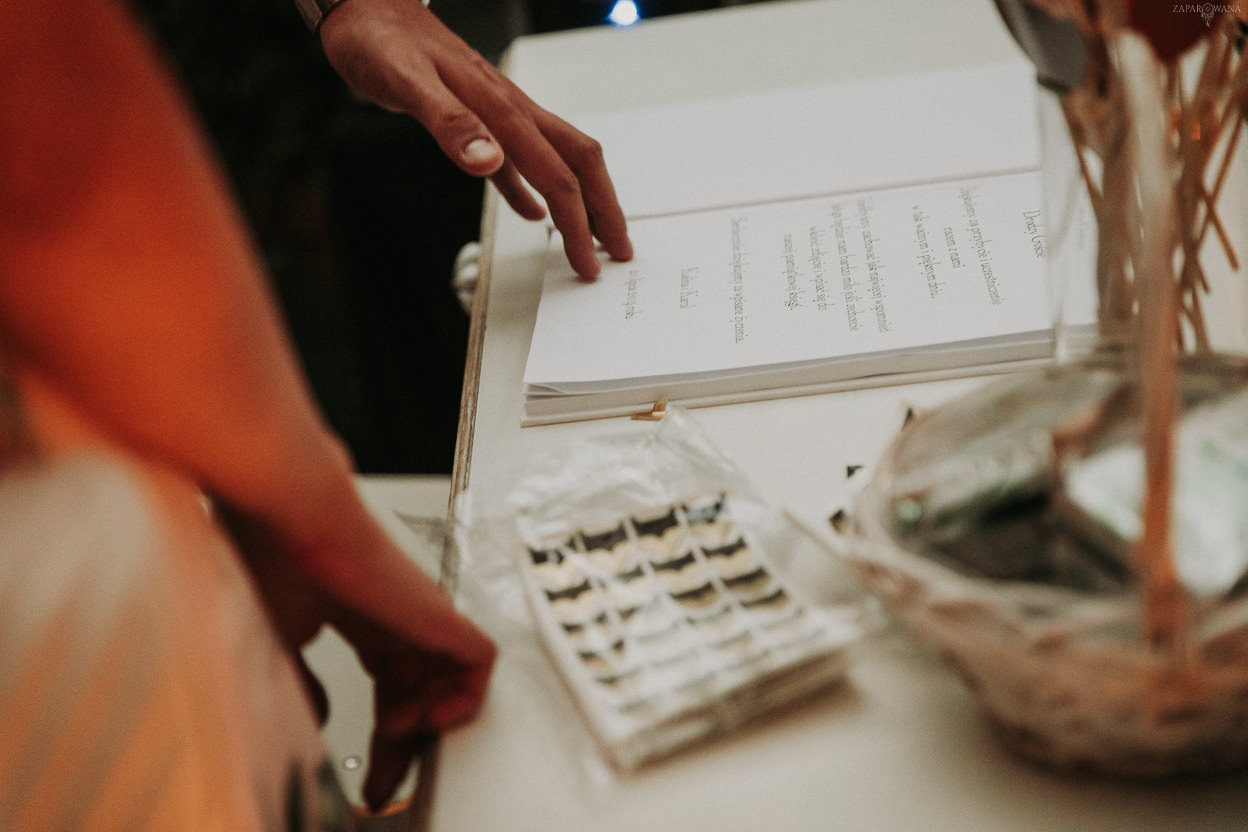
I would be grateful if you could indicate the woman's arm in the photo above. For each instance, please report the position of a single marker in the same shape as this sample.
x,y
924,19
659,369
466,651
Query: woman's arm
x,y
128,286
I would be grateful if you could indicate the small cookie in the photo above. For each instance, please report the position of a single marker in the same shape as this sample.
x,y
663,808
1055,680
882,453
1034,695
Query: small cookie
x,y
716,625
709,519
699,599
730,559
665,643
608,549
556,568
577,603
750,583
661,536
629,684
680,573
612,658
631,590
593,634
770,606
646,619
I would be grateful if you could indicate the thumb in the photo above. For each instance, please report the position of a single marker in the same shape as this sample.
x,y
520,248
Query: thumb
x,y
388,765
481,156
462,136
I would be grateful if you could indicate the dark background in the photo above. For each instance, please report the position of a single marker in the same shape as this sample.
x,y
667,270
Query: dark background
x,y
357,213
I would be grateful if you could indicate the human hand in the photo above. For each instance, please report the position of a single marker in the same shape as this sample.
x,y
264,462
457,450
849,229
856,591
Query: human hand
x,y
430,665
418,693
399,55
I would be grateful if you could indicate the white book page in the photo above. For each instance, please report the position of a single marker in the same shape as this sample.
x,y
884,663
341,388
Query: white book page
x,y
737,290
809,141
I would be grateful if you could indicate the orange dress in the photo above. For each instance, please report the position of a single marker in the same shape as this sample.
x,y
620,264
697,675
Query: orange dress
x,y
142,686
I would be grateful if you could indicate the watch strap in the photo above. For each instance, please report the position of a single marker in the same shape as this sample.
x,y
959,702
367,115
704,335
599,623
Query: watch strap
x,y
314,11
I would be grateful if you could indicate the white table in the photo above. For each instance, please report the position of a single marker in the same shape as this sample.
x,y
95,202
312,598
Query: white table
x,y
900,746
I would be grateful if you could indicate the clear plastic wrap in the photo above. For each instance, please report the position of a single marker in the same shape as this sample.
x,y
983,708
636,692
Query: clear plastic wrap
x,y
670,598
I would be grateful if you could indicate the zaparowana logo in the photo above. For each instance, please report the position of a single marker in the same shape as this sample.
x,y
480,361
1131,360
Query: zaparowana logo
x,y
1206,10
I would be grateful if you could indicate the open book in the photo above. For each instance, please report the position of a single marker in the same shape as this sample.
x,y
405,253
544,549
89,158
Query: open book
x,y
863,233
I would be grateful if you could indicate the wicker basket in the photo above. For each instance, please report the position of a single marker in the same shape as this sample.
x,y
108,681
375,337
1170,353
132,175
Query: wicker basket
x,y
1055,659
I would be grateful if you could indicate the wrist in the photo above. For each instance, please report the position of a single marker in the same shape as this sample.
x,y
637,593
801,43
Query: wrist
x,y
314,12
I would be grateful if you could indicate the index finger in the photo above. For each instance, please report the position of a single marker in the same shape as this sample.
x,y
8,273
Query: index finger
x,y
584,156
544,167
564,165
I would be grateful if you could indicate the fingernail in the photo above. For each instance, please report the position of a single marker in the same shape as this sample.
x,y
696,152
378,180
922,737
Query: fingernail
x,y
480,150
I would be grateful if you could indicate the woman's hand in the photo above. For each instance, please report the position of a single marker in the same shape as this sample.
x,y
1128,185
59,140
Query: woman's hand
x,y
430,665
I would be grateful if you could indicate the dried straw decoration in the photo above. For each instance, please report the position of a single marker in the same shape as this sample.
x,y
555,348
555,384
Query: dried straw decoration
x,y
965,528
1154,149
